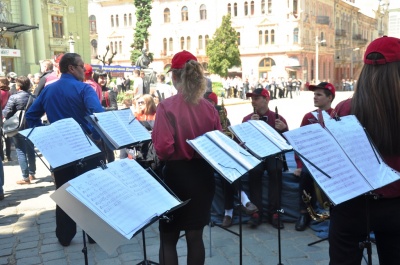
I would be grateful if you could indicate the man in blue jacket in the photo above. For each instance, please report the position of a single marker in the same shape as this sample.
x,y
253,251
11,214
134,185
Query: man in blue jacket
x,y
68,97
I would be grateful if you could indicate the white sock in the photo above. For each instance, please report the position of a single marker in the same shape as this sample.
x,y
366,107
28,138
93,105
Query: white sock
x,y
244,198
229,212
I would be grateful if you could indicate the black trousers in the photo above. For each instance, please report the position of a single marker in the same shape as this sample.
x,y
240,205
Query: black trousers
x,y
274,169
65,226
348,227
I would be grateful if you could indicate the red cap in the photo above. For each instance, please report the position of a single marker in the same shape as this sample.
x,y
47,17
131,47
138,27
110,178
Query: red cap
x,y
258,92
212,96
181,58
88,69
324,85
389,47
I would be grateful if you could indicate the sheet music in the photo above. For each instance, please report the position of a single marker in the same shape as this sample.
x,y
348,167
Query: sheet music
x,y
271,134
320,148
121,195
218,158
254,140
120,127
62,142
352,138
236,151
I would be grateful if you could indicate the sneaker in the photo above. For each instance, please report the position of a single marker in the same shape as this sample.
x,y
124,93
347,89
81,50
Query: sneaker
x,y
255,220
23,181
31,177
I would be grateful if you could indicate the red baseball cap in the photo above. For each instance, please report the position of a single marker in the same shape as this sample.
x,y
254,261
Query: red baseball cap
x,y
258,92
88,69
389,47
181,58
211,96
324,85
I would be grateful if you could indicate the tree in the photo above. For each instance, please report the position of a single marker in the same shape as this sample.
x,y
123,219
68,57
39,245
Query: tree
x,y
222,49
143,22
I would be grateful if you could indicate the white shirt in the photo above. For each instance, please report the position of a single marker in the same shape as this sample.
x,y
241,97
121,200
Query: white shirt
x,y
166,89
138,83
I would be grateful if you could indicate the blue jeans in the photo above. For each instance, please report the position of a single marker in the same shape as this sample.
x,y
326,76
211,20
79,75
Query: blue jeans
x,y
1,177
25,155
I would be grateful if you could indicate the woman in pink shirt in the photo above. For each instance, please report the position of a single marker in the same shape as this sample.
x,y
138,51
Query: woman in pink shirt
x,y
186,115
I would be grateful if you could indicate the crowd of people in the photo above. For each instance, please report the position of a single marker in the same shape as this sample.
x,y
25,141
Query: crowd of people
x,y
186,109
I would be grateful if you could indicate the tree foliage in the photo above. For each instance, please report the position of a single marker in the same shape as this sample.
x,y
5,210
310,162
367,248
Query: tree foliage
x,y
143,22
222,49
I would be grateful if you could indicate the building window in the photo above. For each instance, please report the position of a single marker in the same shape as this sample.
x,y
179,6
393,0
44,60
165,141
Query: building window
x,y
295,8
206,39
229,9
112,47
200,42
112,20
57,24
235,10
185,13
260,37
130,19
116,21
167,15
252,8
262,6
266,37
120,46
125,20
269,6
92,24
188,43
116,46
203,12
246,8
171,44
296,36
272,36
182,43
238,38
165,47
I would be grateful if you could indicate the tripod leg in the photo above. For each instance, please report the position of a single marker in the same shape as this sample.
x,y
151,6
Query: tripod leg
x,y
316,242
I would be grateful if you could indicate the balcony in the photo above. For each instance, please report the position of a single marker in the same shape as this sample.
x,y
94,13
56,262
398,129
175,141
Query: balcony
x,y
341,33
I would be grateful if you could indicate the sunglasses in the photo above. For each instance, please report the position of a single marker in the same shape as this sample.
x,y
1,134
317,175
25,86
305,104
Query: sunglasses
x,y
140,103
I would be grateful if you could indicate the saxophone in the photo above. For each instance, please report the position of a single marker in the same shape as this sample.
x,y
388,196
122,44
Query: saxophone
x,y
319,217
224,121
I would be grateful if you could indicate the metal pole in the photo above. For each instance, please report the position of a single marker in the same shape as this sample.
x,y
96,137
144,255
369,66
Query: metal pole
x,y
316,60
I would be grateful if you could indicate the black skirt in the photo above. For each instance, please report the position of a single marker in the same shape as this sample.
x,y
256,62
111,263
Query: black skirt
x,y
194,180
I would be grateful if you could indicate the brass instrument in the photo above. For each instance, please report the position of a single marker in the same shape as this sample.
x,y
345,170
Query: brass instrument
x,y
319,217
224,121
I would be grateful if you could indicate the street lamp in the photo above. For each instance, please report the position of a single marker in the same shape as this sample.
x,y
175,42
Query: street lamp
x,y
316,57
351,62
2,31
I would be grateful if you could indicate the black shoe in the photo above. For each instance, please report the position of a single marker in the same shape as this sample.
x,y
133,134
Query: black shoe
x,y
255,220
274,222
64,243
302,222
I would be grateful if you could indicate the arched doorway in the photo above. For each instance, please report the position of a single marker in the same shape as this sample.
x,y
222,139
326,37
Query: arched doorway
x,y
265,66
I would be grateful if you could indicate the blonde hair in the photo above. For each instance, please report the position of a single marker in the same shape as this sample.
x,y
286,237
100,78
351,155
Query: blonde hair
x,y
150,106
191,80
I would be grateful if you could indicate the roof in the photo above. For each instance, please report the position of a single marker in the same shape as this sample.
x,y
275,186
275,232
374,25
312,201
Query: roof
x,y
15,27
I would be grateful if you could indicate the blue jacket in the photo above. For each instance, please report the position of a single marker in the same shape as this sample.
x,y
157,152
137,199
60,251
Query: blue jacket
x,y
65,98
16,102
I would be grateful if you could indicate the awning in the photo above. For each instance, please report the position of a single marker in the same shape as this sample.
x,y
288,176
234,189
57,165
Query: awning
x,y
292,62
15,27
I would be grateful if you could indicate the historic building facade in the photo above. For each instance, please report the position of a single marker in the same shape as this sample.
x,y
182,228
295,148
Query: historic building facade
x,y
308,40
48,27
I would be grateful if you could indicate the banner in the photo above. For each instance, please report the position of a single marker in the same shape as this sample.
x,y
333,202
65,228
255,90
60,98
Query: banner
x,y
115,68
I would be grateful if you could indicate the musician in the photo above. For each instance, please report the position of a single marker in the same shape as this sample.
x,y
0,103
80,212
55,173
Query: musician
x,y
376,104
259,100
229,189
68,97
183,116
324,93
